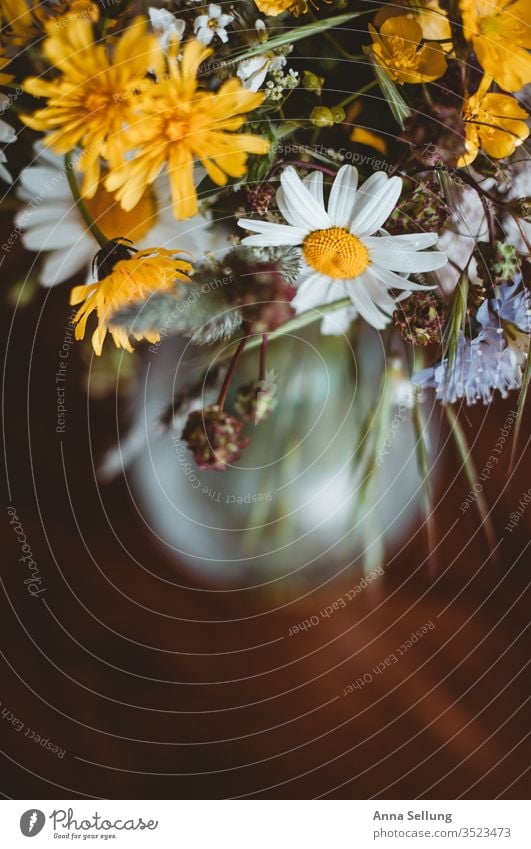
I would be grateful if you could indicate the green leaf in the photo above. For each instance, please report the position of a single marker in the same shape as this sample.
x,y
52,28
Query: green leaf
x,y
455,324
290,36
396,102
471,473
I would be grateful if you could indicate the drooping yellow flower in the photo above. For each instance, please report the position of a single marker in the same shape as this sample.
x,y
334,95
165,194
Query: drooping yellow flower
x,y
500,33
130,281
176,123
494,123
398,49
91,98
432,20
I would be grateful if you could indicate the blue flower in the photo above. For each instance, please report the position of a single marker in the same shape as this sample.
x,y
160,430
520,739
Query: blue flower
x,y
483,364
513,303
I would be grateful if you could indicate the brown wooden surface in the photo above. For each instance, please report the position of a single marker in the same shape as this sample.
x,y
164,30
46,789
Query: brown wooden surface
x,y
155,690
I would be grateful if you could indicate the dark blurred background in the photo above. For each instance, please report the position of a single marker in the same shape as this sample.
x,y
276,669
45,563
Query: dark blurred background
x,y
157,686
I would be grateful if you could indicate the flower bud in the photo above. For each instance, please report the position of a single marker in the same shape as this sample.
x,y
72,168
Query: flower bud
x,y
311,82
338,114
214,438
256,401
321,116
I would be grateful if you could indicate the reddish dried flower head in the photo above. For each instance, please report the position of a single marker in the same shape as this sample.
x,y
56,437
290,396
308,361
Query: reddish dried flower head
x,y
214,438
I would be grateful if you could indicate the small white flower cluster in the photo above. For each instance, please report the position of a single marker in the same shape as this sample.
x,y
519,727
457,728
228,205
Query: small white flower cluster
x,y
279,83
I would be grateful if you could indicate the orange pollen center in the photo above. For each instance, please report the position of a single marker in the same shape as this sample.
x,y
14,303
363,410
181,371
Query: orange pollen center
x,y
335,253
95,101
177,128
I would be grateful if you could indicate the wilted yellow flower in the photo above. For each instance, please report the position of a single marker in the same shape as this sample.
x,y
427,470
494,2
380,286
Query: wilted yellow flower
x,y
130,281
494,123
432,20
500,33
91,98
176,123
398,49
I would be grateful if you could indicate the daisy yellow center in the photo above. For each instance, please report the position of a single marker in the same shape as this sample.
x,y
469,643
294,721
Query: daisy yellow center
x,y
115,221
335,253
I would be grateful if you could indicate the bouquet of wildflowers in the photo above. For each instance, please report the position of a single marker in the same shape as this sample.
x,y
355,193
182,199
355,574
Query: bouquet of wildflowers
x,y
232,173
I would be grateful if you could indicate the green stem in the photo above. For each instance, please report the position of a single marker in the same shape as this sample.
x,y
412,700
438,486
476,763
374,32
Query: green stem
x,y
358,93
422,458
230,372
471,473
294,324
80,203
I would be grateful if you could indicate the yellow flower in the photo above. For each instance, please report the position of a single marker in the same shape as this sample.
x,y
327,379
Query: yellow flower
x,y
91,98
360,135
130,281
432,20
272,8
494,123
398,49
500,34
177,123
4,62
25,20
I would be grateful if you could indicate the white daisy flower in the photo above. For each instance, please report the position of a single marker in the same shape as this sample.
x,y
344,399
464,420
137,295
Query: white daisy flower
x,y
165,26
52,224
341,254
252,72
207,26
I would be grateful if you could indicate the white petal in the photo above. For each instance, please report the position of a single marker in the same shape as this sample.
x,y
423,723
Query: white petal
x,y
314,184
312,292
61,265
286,211
214,11
41,180
7,133
338,322
271,234
343,196
205,35
409,261
379,292
396,281
201,21
363,302
45,212
377,208
222,35
225,20
408,242
310,214
53,235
